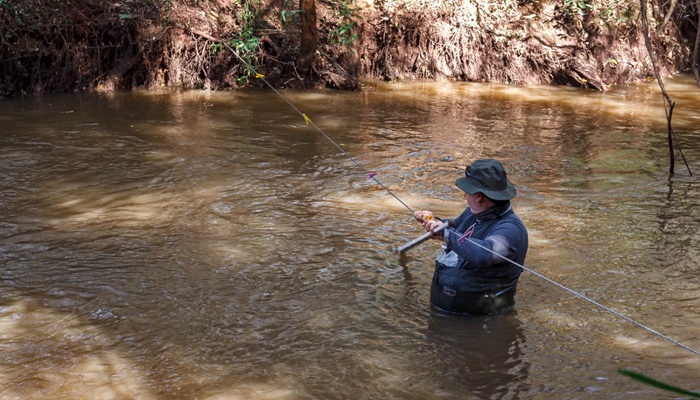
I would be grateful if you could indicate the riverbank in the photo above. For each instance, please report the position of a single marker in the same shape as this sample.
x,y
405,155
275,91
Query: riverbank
x,y
91,45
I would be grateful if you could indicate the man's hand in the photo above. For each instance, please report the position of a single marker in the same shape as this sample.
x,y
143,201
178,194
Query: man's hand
x,y
429,222
431,225
423,216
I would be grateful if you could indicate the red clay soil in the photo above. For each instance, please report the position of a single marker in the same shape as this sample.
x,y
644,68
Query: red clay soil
x,y
220,44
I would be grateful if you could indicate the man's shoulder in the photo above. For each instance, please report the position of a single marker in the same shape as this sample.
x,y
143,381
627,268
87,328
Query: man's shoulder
x,y
512,219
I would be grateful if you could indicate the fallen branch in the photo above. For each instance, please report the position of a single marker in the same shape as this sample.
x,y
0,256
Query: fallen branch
x,y
668,16
667,98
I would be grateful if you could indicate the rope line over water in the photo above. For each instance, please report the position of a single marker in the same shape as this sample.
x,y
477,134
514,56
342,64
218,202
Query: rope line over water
x,y
368,174
608,309
372,175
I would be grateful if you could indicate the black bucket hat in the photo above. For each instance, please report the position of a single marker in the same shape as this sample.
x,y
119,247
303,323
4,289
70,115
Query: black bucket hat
x,y
487,176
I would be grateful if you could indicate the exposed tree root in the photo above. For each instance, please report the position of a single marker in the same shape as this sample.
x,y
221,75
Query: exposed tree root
x,y
90,44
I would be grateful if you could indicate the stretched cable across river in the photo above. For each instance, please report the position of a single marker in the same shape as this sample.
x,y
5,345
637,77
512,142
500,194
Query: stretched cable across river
x,y
373,176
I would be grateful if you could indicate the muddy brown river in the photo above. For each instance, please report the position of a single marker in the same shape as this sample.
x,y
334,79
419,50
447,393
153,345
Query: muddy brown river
x,y
204,245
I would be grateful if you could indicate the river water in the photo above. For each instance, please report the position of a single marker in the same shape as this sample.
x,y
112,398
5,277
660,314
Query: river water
x,y
204,245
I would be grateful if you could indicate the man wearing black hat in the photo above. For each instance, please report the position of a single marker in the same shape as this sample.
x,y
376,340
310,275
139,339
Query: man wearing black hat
x,y
471,275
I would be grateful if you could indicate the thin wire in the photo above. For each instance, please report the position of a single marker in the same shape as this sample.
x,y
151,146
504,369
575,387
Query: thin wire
x,y
373,177
368,174
608,309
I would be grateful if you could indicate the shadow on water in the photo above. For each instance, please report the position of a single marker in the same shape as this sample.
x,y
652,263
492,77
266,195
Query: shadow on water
x,y
481,354
210,245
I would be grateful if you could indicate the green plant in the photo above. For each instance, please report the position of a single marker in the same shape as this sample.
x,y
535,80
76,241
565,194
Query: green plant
x,y
215,48
575,7
287,15
617,12
343,33
653,382
246,44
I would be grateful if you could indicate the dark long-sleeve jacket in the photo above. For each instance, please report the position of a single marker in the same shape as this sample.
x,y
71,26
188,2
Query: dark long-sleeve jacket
x,y
473,271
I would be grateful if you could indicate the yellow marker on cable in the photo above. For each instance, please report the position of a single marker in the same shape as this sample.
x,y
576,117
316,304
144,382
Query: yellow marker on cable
x,y
307,119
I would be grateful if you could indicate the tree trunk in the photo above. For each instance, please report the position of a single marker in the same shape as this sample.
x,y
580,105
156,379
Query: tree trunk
x,y
309,37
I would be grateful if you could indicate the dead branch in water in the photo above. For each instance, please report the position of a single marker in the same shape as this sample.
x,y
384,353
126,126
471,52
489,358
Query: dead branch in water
x,y
667,98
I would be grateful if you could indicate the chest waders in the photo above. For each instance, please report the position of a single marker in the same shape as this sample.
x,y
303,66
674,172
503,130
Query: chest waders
x,y
448,293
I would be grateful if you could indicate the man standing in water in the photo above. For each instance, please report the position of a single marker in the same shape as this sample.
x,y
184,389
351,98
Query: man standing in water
x,y
471,275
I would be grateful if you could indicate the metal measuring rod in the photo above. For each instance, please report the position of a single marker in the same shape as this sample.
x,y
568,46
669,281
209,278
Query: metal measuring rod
x,y
415,242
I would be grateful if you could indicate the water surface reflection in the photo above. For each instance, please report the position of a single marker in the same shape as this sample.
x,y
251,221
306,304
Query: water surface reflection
x,y
480,354
212,245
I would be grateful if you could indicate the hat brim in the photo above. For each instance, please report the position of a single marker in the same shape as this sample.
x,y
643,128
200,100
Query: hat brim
x,y
472,186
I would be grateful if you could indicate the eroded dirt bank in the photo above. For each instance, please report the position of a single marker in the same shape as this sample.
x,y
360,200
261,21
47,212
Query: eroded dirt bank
x,y
79,45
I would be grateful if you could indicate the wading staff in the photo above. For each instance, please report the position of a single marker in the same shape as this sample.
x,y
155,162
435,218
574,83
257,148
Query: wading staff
x,y
415,242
